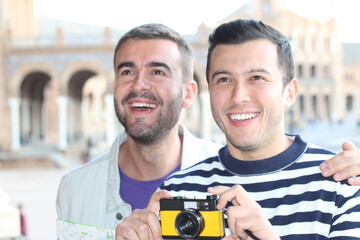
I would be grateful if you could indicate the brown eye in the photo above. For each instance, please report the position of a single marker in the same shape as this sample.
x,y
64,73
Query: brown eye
x,y
158,72
257,77
127,72
224,79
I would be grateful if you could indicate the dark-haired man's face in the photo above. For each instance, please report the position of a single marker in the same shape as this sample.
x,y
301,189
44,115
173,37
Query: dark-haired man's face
x,y
248,98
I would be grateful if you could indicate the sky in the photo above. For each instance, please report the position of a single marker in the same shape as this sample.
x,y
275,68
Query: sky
x,y
185,16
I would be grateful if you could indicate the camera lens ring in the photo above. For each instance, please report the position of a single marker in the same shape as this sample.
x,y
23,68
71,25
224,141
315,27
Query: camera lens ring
x,y
189,223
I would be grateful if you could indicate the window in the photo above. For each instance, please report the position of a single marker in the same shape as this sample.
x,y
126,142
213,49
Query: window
x,y
326,45
328,107
349,103
326,72
314,44
315,106
300,44
313,71
302,105
300,71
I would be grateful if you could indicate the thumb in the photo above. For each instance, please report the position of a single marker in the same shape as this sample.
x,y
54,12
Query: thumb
x,y
348,146
217,190
154,202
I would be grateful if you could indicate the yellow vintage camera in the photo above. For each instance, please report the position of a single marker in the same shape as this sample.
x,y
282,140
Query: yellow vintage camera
x,y
190,218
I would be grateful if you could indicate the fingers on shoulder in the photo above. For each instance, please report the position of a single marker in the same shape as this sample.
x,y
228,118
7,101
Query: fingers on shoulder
x,y
355,181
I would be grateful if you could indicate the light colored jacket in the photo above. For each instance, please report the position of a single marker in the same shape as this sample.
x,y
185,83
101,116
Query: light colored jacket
x,y
90,193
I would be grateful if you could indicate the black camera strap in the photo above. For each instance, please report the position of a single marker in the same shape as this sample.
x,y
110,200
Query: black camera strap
x,y
249,233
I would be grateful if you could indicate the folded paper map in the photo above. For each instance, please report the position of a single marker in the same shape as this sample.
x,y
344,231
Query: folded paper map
x,y
69,230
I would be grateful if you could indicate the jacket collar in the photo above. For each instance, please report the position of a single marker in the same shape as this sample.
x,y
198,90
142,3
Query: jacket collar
x,y
113,184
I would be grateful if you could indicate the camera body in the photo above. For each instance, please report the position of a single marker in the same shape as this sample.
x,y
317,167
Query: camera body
x,y
191,218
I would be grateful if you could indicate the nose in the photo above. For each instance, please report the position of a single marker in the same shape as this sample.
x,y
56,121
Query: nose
x,y
240,93
141,83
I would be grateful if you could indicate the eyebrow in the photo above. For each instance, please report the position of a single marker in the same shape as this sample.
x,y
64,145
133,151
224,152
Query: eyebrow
x,y
150,64
218,73
159,64
262,70
125,64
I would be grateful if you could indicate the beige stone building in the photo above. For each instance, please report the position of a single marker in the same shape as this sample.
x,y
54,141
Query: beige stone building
x,y
351,80
318,57
57,90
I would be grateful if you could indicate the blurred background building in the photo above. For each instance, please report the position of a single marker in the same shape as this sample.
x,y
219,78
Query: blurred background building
x,y
57,78
56,94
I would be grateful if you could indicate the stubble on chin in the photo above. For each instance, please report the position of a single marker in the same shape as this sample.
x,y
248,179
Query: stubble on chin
x,y
146,133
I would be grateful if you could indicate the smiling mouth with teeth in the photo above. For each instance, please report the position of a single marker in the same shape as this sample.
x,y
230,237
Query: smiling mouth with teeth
x,y
243,116
143,106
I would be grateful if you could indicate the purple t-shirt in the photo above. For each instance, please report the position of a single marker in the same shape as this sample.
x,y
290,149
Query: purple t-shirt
x,y
138,193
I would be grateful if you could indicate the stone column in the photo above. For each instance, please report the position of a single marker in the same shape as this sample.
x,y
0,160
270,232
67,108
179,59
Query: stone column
x,y
25,120
309,106
357,106
205,116
15,122
111,129
62,106
322,108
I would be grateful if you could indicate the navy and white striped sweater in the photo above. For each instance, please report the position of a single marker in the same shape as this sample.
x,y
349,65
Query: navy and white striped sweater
x,y
299,202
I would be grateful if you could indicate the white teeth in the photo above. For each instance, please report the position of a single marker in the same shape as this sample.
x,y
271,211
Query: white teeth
x,y
143,105
243,116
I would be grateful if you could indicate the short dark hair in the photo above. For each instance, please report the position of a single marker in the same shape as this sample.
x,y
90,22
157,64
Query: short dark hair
x,y
160,31
243,30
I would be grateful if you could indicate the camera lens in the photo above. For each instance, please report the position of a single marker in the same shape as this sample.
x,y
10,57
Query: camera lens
x,y
189,223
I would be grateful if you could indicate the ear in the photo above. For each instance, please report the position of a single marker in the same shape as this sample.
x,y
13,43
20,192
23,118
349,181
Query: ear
x,y
290,93
189,93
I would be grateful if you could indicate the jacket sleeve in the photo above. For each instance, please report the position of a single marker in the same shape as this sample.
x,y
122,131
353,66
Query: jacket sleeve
x,y
62,201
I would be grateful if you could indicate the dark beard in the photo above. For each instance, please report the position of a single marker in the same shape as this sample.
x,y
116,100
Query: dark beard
x,y
145,134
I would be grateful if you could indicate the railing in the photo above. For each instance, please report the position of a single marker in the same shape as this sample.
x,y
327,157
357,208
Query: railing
x,y
317,81
68,41
73,40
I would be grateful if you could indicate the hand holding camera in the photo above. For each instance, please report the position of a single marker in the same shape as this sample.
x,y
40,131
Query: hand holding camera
x,y
184,218
190,218
143,223
245,218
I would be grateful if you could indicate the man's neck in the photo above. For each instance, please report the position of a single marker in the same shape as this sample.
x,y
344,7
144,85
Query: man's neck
x,y
151,161
267,149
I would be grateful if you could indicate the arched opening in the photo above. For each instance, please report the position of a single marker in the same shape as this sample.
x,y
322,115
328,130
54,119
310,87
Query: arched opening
x,y
93,109
75,97
33,118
